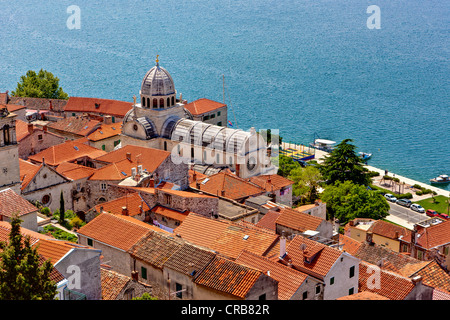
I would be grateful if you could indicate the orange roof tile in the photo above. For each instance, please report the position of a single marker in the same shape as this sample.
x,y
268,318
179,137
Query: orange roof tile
x,y
322,257
364,295
195,174
170,213
12,107
434,276
77,125
289,280
105,131
349,245
268,220
74,171
132,202
121,232
227,185
5,229
392,285
434,236
27,172
12,203
203,105
52,249
67,151
390,230
298,220
95,105
22,129
112,283
224,236
271,182
228,277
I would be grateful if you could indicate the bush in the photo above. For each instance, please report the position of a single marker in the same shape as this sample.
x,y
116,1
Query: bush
x,y
46,211
407,195
426,191
416,186
77,222
373,174
419,193
396,180
60,234
387,178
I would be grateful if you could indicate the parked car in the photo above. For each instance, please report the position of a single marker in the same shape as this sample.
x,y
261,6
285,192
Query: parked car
x,y
432,213
417,207
390,197
444,215
404,202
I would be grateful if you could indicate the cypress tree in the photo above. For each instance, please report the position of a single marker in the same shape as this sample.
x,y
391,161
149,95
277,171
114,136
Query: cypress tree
x,y
61,209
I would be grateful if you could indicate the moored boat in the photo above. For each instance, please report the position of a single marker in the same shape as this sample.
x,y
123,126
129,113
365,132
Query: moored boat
x,y
443,178
364,155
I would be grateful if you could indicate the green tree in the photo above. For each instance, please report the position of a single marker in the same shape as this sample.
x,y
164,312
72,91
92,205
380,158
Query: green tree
x,y
306,182
39,85
61,209
343,164
286,165
22,276
347,201
145,296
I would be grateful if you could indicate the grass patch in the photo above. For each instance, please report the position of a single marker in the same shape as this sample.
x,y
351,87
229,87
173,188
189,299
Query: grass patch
x,y
439,205
60,234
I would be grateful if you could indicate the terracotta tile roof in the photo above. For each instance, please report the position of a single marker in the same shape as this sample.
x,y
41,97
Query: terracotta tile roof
x,y
364,295
434,236
155,248
131,201
74,171
322,257
229,277
305,207
203,105
5,229
271,182
189,258
121,232
289,280
105,106
55,275
392,285
433,276
39,103
3,98
390,230
11,203
22,129
349,245
105,131
27,172
233,187
112,283
198,176
274,252
439,294
170,213
298,220
76,125
12,107
149,158
67,151
187,194
53,250
224,236
268,220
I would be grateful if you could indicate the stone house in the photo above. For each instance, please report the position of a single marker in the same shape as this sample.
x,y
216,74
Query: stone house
x,y
33,140
97,108
73,128
318,209
277,187
208,111
106,136
9,151
116,286
114,235
17,109
12,203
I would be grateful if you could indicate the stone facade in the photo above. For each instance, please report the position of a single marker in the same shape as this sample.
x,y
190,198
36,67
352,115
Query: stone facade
x,y
37,141
9,152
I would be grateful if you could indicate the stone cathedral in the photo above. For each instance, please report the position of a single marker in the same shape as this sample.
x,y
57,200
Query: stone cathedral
x,y
159,120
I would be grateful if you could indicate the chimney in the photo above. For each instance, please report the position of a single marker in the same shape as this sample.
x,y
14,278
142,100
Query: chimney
x,y
107,119
282,245
416,280
351,223
129,156
125,211
269,180
289,263
369,238
30,128
194,176
397,234
44,128
223,193
134,275
238,169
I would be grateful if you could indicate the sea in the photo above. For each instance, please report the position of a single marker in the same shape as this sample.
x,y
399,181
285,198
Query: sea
x,y
332,69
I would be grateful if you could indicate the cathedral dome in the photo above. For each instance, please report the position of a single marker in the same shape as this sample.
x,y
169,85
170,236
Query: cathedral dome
x,y
157,82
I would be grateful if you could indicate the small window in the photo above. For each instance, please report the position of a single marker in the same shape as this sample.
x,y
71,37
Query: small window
x,y
103,186
73,114
305,295
317,289
352,272
40,138
332,281
90,242
212,116
218,114
46,199
103,147
351,291
178,288
219,123
144,273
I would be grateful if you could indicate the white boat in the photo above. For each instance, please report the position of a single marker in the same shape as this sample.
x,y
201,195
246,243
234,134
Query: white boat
x,y
443,178
322,144
364,155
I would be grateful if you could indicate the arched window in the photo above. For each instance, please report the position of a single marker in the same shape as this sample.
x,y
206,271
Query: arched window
x,y
6,137
143,101
173,100
161,103
155,103
165,145
168,102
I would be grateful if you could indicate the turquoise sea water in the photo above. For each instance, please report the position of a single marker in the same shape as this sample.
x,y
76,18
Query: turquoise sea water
x,y
294,65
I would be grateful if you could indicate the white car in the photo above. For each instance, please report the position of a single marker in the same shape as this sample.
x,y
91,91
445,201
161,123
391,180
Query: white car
x,y
417,207
390,197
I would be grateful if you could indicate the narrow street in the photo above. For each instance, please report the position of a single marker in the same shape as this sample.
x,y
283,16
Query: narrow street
x,y
404,216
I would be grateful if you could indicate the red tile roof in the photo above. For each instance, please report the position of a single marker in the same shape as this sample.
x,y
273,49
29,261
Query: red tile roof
x,y
224,236
112,283
170,213
434,276
132,202
349,245
434,236
53,250
105,106
67,151
11,203
228,277
12,107
289,280
105,131
5,230
298,220
74,171
227,185
27,172
391,285
203,105
195,174
390,230
22,129
268,220
271,182
364,295
121,232
77,125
